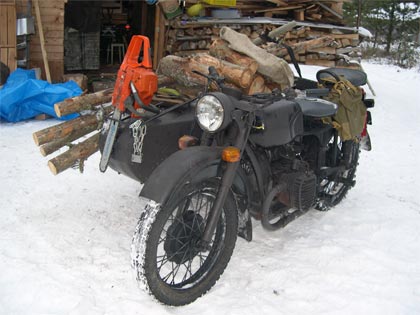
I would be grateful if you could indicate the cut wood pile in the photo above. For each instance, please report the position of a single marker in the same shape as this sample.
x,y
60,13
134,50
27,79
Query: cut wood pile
x,y
80,135
325,45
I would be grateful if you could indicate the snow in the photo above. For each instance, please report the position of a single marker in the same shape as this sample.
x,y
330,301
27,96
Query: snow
x,y
65,240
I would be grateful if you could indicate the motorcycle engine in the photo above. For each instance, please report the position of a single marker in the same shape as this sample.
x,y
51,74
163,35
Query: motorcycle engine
x,y
301,188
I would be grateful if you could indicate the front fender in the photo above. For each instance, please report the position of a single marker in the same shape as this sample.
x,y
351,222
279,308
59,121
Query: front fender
x,y
182,165
191,165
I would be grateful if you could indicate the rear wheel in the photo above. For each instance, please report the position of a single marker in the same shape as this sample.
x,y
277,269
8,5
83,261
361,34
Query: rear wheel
x,y
168,256
334,188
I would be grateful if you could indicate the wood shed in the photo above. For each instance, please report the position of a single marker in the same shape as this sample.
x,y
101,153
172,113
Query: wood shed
x,y
83,36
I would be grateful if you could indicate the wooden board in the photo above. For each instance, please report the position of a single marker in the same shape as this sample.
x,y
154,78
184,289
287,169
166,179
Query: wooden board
x,y
8,34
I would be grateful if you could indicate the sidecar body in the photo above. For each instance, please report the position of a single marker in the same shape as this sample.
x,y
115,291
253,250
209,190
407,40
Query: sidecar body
x,y
160,141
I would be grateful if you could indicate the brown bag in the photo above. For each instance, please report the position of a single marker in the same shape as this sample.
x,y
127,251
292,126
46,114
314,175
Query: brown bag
x,y
351,114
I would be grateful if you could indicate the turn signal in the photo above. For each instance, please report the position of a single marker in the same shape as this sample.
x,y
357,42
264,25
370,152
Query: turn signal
x,y
231,154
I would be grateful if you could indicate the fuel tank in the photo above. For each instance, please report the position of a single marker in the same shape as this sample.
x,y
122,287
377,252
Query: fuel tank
x,y
279,123
160,141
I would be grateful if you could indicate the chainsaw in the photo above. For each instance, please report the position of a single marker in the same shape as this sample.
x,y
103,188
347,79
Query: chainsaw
x,y
133,92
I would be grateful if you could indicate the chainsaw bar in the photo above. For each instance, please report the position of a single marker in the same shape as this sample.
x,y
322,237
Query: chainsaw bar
x,y
110,139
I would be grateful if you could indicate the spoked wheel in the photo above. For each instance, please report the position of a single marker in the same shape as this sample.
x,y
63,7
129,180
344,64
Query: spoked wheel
x,y
168,255
335,187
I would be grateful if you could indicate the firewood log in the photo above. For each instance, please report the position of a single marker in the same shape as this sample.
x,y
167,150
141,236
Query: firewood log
x,y
84,102
67,129
269,65
77,153
235,74
77,133
181,70
220,49
324,41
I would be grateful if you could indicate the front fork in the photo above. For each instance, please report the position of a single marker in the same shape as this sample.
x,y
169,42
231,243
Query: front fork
x,y
227,178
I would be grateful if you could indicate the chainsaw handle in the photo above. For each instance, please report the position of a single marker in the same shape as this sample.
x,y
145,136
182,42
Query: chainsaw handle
x,y
131,58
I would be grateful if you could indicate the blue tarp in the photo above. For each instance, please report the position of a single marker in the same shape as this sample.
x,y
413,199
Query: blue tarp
x,y
24,97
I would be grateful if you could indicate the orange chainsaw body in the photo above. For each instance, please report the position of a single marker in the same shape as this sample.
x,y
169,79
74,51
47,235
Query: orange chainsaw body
x,y
140,73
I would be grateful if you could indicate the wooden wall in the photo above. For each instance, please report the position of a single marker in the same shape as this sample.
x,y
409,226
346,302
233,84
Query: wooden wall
x,y
52,16
8,34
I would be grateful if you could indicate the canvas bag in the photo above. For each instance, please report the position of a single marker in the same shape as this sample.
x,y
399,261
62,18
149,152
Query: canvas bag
x,y
350,117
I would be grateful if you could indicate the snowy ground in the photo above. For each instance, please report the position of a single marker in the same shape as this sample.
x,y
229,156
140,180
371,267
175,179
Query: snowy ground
x,y
65,240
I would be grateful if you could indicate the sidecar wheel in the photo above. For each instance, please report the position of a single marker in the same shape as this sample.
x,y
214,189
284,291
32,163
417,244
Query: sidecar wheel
x,y
167,257
336,189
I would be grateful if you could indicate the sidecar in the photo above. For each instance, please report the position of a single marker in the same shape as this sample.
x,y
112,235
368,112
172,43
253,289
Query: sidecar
x,y
160,141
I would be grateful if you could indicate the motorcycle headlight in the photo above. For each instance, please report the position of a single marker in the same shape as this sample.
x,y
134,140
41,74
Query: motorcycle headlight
x,y
210,113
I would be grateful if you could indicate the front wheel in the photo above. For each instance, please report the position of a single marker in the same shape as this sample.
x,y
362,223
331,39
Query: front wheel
x,y
167,254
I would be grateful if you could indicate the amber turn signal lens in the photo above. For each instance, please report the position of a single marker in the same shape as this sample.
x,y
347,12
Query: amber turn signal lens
x,y
231,154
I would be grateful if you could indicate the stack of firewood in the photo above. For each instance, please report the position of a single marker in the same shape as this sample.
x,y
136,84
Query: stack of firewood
x,y
80,135
243,64
314,46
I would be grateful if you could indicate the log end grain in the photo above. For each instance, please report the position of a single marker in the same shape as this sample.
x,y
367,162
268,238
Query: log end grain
x,y
35,137
53,168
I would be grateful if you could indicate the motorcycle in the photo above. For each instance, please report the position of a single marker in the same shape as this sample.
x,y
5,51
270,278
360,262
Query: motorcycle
x,y
211,164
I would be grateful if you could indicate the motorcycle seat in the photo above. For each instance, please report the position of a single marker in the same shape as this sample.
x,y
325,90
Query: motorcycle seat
x,y
316,107
356,77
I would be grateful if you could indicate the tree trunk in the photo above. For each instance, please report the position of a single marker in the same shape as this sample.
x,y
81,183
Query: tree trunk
x,y
69,128
77,153
84,102
391,24
269,65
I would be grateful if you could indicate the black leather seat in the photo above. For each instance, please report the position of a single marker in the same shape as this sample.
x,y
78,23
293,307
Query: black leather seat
x,y
356,77
316,107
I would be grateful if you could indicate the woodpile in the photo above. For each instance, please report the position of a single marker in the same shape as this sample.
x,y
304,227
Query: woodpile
x,y
243,65
80,135
313,46
334,44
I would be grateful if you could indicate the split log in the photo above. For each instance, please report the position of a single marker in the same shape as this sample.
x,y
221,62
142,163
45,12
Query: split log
x,y
67,128
269,65
77,153
258,86
84,102
220,49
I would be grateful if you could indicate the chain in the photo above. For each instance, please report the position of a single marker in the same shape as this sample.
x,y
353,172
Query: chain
x,y
139,132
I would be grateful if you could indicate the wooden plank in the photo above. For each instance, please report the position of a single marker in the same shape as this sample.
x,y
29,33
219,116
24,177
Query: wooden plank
x,y
3,25
4,55
11,37
54,56
41,36
49,48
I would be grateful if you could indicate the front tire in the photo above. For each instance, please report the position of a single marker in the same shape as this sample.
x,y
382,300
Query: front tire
x,y
166,251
